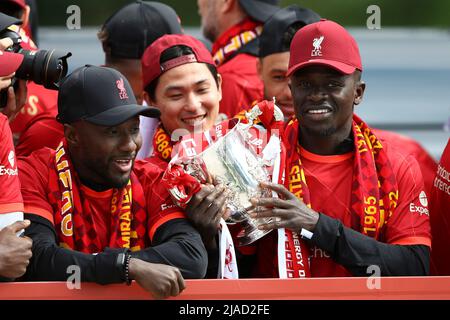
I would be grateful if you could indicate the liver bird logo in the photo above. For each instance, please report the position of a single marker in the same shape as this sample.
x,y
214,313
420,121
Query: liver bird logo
x,y
122,91
317,44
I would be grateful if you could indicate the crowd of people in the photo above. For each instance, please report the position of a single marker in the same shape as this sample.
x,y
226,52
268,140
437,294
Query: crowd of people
x,y
82,168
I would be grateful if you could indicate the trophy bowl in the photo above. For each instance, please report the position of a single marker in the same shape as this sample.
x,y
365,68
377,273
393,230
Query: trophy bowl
x,y
232,163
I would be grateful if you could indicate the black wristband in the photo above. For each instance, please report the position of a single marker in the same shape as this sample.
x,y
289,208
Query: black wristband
x,y
127,268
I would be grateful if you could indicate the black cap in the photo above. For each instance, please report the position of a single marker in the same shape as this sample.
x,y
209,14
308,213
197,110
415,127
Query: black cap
x,y
99,95
137,25
271,39
260,10
6,21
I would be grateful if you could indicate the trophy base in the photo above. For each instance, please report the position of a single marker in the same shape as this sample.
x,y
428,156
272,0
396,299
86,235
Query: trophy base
x,y
249,234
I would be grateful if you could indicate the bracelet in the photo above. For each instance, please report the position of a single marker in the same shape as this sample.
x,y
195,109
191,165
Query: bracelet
x,y
126,266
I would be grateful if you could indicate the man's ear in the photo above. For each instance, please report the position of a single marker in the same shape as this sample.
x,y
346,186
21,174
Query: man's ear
x,y
25,16
148,99
259,67
227,5
359,92
219,86
71,134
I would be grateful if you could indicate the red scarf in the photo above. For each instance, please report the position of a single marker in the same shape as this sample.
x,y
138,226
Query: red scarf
x,y
162,144
374,187
234,38
74,223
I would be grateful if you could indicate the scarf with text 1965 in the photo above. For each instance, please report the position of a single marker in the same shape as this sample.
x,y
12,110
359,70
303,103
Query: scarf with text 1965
x,y
74,223
374,187
233,39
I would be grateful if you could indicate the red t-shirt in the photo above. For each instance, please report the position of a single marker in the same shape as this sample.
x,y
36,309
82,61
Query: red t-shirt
x,y
40,101
160,206
35,174
241,85
329,180
440,217
10,196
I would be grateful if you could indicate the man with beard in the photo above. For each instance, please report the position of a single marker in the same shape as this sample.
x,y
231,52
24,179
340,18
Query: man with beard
x,y
92,206
355,199
272,66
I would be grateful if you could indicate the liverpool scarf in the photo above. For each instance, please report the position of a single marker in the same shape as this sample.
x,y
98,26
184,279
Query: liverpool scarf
x,y
232,40
74,223
374,187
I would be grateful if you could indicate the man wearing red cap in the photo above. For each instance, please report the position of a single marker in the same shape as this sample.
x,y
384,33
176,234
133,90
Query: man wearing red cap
x,y
234,27
356,199
181,80
273,64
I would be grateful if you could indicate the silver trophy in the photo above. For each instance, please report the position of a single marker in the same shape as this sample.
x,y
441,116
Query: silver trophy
x,y
232,163
234,160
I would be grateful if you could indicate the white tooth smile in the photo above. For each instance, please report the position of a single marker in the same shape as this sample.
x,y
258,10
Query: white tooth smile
x,y
319,111
192,121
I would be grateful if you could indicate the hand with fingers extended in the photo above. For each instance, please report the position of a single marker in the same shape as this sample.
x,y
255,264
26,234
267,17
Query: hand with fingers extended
x,y
15,252
287,211
205,210
160,280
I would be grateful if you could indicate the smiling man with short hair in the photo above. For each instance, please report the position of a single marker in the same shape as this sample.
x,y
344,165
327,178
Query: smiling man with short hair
x,y
350,195
90,196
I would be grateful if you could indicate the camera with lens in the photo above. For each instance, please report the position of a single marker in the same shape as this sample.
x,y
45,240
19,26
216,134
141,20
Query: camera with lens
x,y
44,67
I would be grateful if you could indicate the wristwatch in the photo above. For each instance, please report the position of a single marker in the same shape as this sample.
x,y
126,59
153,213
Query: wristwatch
x,y
123,264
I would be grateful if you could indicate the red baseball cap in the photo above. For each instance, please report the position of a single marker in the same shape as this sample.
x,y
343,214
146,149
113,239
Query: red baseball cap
x,y
152,68
9,62
325,43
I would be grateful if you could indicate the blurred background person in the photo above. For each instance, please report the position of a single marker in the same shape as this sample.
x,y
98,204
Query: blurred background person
x,y
440,217
124,37
273,61
34,126
234,26
24,10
